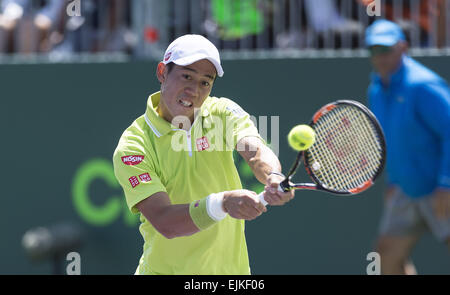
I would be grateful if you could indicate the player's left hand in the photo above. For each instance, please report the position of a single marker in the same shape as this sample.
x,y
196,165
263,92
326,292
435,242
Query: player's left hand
x,y
271,193
441,204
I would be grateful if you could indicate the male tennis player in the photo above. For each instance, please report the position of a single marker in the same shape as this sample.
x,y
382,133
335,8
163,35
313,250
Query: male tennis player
x,y
412,104
176,167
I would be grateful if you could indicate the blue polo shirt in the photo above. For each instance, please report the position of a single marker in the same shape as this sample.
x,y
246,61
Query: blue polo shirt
x,y
414,111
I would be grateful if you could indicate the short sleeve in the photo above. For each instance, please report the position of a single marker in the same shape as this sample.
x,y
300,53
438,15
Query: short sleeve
x,y
136,174
238,123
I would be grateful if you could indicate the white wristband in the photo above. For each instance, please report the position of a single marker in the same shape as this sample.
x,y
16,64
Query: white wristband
x,y
214,206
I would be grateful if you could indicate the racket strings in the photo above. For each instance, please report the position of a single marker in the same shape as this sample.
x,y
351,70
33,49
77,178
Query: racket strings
x,y
347,152
355,142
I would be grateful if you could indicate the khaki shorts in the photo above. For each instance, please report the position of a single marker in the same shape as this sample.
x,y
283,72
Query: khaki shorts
x,y
405,216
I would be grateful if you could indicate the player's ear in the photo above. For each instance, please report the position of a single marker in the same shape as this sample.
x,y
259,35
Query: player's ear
x,y
161,72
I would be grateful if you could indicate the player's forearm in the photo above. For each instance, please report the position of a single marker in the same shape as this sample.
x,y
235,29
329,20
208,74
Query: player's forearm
x,y
261,159
175,221
182,219
264,163
169,220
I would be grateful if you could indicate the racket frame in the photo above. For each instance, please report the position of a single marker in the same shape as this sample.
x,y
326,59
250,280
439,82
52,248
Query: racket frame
x,y
287,185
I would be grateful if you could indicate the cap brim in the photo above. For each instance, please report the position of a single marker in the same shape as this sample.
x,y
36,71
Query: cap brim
x,y
381,40
185,61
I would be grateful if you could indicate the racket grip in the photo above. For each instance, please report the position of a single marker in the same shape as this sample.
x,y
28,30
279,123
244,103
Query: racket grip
x,y
261,196
261,199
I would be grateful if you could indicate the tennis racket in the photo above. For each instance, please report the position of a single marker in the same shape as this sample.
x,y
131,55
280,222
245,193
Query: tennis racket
x,y
348,154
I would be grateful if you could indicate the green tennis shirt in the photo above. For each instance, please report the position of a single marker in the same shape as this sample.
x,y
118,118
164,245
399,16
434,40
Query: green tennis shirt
x,y
155,156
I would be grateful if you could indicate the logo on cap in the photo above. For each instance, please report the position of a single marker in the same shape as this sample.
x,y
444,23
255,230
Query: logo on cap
x,y
168,54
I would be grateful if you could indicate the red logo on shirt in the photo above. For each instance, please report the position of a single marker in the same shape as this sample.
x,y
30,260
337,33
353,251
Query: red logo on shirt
x,y
132,160
145,177
202,143
134,181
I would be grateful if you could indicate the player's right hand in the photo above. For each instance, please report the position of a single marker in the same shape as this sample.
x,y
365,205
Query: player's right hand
x,y
242,204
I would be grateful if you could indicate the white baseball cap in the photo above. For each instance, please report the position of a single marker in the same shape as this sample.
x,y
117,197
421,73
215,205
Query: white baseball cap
x,y
187,49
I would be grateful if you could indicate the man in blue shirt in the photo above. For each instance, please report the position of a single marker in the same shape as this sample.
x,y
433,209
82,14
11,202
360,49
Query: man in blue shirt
x,y
412,104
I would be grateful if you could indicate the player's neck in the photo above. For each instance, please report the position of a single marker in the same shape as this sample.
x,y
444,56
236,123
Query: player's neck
x,y
160,111
386,81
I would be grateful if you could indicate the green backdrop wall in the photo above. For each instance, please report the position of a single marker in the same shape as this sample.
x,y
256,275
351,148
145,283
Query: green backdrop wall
x,y
59,127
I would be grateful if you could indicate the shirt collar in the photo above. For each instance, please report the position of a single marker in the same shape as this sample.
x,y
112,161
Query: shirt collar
x,y
158,124
396,77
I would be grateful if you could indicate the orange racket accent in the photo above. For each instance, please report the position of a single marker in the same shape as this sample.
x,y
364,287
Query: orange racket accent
x,y
363,187
325,109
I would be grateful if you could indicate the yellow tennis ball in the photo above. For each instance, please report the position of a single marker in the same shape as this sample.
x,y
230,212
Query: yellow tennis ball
x,y
301,137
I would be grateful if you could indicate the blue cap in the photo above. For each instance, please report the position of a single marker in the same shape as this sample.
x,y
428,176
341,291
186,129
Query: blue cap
x,y
384,32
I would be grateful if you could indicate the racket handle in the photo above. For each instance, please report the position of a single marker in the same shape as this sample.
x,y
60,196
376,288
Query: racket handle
x,y
261,196
261,199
